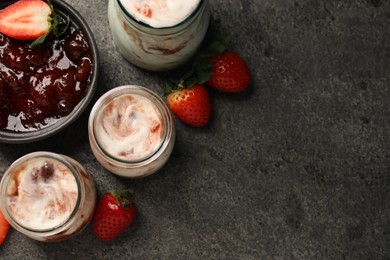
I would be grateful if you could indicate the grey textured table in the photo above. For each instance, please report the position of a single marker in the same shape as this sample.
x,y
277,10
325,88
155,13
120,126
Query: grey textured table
x,y
295,168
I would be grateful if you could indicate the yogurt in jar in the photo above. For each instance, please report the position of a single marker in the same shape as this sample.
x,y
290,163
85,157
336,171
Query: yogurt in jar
x,y
47,196
158,35
42,194
160,13
129,127
131,131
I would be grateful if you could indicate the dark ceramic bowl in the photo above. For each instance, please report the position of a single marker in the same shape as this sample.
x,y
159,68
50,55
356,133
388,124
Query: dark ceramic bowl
x,y
63,9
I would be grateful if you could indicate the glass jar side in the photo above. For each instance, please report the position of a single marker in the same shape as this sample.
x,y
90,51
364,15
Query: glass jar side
x,y
81,212
151,163
158,49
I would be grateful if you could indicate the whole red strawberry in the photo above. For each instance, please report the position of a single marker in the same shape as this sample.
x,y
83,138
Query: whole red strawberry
x,y
230,72
191,105
115,212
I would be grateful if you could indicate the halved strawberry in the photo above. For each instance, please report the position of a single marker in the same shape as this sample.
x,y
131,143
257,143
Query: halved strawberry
x,y
4,227
31,20
25,19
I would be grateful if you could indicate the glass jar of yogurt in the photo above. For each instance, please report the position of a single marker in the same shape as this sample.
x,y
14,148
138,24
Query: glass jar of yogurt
x,y
158,35
47,196
131,131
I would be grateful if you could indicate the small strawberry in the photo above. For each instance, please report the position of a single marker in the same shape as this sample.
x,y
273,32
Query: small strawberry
x,y
115,212
4,227
230,72
31,20
191,105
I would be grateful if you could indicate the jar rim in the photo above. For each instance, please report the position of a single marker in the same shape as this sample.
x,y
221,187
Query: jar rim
x,y
132,90
147,26
36,155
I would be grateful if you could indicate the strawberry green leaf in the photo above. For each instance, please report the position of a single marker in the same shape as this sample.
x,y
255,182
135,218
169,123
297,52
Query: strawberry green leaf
x,y
57,25
122,198
168,89
38,41
213,49
217,45
191,82
203,69
53,14
188,74
62,27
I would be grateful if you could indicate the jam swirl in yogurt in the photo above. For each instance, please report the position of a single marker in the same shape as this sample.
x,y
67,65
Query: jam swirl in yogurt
x,y
129,127
42,194
40,85
160,13
131,131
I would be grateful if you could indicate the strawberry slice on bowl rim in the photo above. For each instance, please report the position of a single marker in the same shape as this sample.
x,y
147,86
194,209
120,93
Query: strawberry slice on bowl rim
x,y
32,20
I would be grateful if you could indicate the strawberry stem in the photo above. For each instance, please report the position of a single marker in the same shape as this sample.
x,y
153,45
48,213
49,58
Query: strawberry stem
x,y
122,198
200,70
215,47
57,25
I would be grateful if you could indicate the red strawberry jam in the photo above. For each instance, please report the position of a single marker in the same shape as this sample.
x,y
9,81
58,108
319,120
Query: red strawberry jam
x,y
40,85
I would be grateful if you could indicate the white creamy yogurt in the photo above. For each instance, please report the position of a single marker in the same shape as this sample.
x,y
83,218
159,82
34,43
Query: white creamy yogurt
x,y
158,35
42,194
129,127
160,13
131,131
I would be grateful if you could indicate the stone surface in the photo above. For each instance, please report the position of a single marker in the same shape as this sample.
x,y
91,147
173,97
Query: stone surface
x,y
295,168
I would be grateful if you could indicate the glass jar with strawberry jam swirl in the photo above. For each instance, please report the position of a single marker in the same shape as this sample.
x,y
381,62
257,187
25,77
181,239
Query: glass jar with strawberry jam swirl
x,y
47,196
158,35
131,131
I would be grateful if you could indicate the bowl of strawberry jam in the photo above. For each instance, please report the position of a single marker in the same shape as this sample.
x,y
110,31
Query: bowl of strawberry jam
x,y
46,88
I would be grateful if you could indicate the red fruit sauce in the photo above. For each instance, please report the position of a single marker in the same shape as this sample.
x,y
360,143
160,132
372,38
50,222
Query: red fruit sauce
x,y
39,86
